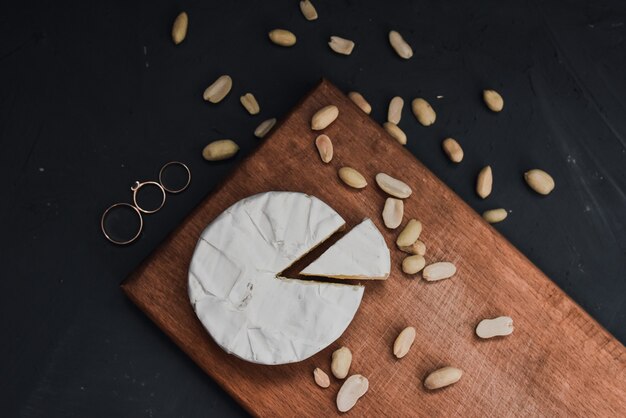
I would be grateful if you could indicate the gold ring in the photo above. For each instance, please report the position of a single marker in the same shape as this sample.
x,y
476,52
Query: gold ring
x,y
161,177
135,188
104,231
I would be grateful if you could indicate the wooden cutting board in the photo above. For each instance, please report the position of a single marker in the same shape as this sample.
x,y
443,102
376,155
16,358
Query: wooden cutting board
x,y
558,362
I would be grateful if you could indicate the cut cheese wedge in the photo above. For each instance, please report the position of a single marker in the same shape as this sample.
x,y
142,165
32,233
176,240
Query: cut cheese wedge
x,y
360,254
235,290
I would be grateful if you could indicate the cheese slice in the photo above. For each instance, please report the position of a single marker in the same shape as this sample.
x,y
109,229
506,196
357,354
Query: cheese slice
x,y
236,292
360,254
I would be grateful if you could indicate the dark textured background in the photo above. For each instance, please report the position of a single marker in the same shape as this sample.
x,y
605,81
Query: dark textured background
x,y
94,95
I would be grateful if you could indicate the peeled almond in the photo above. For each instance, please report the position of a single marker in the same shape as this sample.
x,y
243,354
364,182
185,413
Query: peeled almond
x,y
539,181
484,182
393,186
493,100
308,10
495,215
399,45
352,389
324,147
410,233
352,178
439,271
264,127
220,150
340,45
216,92
324,117
453,150
394,112
413,264
403,342
321,378
248,101
358,99
423,111
395,131
282,37
393,212
443,377
418,247
179,28
496,327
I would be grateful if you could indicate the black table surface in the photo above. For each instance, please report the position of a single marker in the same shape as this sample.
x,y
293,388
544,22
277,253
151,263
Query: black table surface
x,y
95,96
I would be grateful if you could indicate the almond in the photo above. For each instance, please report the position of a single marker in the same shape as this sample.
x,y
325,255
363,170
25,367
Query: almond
x,y
358,99
324,117
352,178
395,131
423,111
250,104
220,150
353,388
282,37
308,10
439,271
418,247
399,45
393,186
216,92
495,215
493,100
453,150
264,127
324,147
321,378
496,327
393,212
179,28
484,182
394,112
443,377
403,342
340,45
409,234
539,181
413,264
340,364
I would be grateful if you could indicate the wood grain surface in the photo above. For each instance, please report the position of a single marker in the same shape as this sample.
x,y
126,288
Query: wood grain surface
x,y
558,362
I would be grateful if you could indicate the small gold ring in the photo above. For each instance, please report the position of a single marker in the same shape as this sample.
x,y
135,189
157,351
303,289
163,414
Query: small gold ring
x,y
174,191
135,188
104,231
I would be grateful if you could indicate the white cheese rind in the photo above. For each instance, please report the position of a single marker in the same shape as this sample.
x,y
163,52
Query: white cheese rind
x,y
234,290
360,254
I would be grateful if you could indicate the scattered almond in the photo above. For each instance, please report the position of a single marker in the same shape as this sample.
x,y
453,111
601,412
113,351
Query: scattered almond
x,y
352,389
324,147
484,182
413,264
264,127
443,377
439,271
282,37
308,10
216,92
340,364
220,150
418,247
360,101
399,45
496,327
394,112
539,181
495,215
249,102
410,233
321,378
393,186
453,150
423,111
340,45
395,131
179,28
403,342
352,178
493,100
324,117
393,212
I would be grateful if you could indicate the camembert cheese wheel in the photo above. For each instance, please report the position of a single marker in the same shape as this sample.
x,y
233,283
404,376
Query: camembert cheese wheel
x,y
236,291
